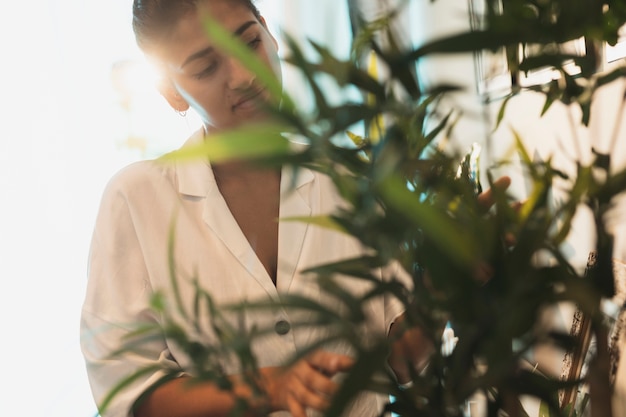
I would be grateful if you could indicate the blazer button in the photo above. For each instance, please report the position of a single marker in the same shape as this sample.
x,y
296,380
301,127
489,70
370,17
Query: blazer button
x,y
282,327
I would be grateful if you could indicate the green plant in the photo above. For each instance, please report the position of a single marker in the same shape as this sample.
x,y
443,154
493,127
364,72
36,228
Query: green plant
x,y
423,213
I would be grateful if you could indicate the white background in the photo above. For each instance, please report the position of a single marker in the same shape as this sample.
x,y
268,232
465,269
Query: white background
x,y
59,143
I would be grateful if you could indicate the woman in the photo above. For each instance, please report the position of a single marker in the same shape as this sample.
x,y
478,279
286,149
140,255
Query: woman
x,y
225,234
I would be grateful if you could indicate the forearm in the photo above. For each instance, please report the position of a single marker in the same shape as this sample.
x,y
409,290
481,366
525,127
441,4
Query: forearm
x,y
183,397
306,384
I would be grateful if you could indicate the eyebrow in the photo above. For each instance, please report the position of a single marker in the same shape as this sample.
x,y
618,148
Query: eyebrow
x,y
206,51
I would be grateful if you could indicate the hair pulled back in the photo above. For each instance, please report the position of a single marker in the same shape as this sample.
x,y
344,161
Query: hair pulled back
x,y
154,20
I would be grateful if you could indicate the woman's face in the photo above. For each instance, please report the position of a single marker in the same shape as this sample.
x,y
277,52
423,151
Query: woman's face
x,y
210,81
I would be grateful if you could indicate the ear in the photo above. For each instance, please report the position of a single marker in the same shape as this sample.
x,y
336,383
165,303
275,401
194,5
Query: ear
x,y
170,93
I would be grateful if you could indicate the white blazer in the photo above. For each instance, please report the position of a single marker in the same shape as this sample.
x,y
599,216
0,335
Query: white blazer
x,y
145,205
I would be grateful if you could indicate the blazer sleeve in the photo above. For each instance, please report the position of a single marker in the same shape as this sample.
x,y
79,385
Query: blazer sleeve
x,y
117,300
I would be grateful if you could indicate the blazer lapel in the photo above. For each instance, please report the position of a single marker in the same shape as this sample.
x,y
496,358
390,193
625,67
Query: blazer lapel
x,y
218,217
195,178
295,202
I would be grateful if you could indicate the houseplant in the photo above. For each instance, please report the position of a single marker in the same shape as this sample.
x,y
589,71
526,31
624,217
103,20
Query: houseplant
x,y
423,214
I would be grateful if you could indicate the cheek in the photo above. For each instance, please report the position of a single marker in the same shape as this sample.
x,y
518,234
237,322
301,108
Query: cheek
x,y
205,100
273,60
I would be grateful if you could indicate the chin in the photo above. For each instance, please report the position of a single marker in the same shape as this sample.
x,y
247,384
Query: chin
x,y
253,116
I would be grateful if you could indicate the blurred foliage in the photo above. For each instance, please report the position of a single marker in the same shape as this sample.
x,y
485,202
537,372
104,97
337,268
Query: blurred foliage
x,y
423,213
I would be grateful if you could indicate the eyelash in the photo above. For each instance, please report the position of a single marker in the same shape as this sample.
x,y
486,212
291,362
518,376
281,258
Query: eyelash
x,y
253,44
207,71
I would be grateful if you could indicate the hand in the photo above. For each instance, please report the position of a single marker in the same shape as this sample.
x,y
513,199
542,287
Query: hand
x,y
487,199
306,384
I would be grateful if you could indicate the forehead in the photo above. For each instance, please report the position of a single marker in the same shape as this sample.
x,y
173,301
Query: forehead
x,y
188,36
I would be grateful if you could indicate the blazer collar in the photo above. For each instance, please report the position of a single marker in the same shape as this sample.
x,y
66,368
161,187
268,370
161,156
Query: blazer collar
x,y
195,178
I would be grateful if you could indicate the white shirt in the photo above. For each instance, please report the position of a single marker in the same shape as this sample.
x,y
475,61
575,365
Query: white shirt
x,y
147,203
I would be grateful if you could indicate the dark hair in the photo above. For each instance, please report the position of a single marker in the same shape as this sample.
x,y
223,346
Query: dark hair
x,y
153,20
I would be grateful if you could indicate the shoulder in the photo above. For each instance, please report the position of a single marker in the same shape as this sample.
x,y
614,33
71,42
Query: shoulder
x,y
146,174
149,175
141,177
134,194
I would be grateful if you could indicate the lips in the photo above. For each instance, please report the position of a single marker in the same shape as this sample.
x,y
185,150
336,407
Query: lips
x,y
248,100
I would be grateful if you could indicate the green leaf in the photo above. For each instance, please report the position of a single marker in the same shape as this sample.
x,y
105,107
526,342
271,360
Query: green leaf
x,y
347,73
308,71
433,222
255,141
326,222
361,267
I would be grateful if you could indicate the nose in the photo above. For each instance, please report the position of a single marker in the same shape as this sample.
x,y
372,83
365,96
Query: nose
x,y
239,77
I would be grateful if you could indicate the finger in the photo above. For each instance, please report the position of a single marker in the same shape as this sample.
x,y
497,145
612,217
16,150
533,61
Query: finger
x,y
487,198
318,382
330,363
311,390
295,407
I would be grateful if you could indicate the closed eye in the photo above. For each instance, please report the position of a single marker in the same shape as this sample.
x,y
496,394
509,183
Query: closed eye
x,y
254,43
214,64
210,69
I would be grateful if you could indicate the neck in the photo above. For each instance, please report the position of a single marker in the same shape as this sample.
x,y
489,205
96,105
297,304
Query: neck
x,y
235,169
243,170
